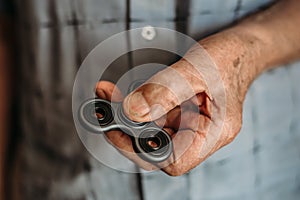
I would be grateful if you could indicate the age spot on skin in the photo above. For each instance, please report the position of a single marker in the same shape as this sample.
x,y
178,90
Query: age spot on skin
x,y
236,62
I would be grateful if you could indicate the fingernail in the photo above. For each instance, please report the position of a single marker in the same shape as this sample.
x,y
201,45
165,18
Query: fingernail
x,y
136,105
157,111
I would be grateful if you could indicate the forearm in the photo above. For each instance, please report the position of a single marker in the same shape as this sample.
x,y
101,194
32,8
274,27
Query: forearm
x,y
258,43
278,30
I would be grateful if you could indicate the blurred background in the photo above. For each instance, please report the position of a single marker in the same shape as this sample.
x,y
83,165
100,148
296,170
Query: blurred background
x,y
42,45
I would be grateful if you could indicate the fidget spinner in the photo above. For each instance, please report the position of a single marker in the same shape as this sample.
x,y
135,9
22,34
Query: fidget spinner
x,y
149,141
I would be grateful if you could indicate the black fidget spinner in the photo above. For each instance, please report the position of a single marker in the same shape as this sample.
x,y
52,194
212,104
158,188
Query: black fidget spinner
x,y
150,142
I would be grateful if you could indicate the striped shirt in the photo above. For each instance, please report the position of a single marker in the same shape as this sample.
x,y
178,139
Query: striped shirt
x,y
54,38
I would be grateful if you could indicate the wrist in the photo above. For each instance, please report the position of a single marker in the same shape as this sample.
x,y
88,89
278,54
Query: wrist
x,y
236,55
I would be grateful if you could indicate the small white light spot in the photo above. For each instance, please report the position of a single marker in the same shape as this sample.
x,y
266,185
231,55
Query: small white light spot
x,y
148,33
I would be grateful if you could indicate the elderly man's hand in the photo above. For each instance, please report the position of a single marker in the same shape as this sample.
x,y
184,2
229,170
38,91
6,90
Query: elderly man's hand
x,y
179,99
199,99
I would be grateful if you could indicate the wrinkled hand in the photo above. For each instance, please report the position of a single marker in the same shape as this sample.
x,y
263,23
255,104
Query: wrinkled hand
x,y
178,98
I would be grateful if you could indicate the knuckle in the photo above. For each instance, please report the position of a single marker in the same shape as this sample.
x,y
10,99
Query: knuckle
x,y
175,171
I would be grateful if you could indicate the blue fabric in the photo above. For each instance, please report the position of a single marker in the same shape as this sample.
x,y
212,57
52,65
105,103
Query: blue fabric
x,y
262,163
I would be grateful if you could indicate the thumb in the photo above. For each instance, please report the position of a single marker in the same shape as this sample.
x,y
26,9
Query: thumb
x,y
163,92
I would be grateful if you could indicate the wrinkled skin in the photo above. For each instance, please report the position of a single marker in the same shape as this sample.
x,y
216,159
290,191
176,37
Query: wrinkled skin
x,y
199,122
188,118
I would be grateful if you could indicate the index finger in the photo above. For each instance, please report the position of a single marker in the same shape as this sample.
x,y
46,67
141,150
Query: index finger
x,y
163,92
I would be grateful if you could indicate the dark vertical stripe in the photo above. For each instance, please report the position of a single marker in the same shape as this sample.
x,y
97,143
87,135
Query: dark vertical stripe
x,y
237,9
14,118
55,49
130,63
127,27
139,178
75,23
182,12
188,180
127,17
